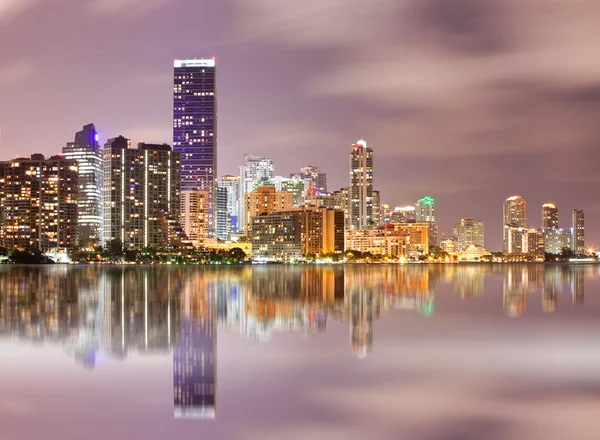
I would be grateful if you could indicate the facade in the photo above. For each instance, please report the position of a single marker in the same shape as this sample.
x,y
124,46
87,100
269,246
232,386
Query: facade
x,y
307,230
38,203
194,220
254,172
195,127
469,232
535,241
425,213
549,216
227,206
86,150
513,239
377,209
297,188
265,200
276,236
361,186
578,232
142,193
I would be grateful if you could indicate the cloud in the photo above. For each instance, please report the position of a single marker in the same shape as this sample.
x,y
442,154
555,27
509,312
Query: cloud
x,y
126,7
9,9
14,72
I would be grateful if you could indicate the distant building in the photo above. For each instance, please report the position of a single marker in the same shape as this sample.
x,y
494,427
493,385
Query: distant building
x,y
227,206
377,208
578,232
399,240
474,253
295,187
38,203
514,218
195,126
361,186
449,245
549,216
142,196
297,232
194,218
469,232
535,241
265,200
555,240
254,172
87,152
425,213
315,177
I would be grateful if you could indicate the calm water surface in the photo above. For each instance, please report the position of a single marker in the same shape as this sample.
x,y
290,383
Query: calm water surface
x,y
424,352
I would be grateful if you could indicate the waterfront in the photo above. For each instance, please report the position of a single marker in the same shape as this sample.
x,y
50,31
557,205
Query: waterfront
x,y
364,351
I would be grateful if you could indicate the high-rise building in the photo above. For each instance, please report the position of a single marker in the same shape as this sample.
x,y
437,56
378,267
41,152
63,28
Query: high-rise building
x,y
315,177
193,216
361,186
227,209
555,240
514,218
515,212
578,232
549,216
265,200
377,208
254,172
142,193
38,203
87,152
469,232
195,127
425,213
515,239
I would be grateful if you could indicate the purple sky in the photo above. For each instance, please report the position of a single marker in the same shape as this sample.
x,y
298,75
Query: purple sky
x,y
469,101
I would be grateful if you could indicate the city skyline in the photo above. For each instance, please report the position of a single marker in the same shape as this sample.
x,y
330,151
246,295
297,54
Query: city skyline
x,y
407,121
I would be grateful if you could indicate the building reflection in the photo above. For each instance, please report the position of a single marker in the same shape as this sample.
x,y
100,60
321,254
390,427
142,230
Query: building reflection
x,y
112,312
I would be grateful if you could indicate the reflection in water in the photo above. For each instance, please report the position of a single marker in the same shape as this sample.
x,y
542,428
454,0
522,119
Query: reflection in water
x,y
114,311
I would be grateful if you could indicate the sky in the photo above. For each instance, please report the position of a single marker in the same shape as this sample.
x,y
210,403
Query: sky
x,y
464,100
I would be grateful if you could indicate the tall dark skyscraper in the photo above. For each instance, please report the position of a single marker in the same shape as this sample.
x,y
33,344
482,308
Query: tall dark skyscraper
x,y
195,127
88,154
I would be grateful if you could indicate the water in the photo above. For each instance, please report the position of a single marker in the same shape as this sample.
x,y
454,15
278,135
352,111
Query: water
x,y
279,352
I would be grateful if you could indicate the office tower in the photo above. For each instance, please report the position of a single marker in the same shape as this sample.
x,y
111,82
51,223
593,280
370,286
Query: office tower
x,y
469,232
193,216
515,212
265,200
38,203
425,213
549,216
142,194
254,171
194,358
315,177
195,127
87,152
578,232
361,186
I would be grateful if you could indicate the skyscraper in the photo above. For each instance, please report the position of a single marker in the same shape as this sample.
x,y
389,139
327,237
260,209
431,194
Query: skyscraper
x,y
361,186
88,154
193,215
578,232
141,193
38,203
227,206
549,216
469,232
254,171
515,212
195,127
425,213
